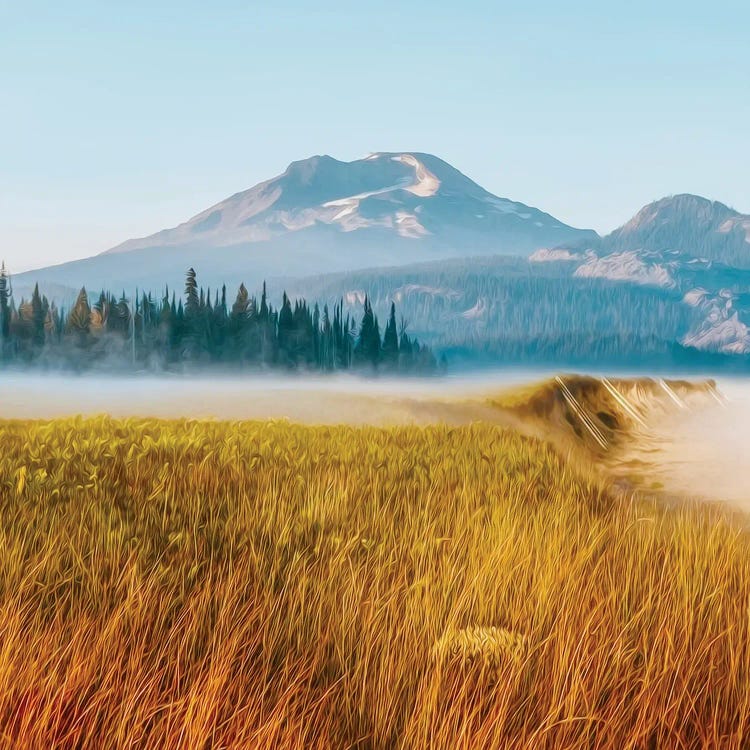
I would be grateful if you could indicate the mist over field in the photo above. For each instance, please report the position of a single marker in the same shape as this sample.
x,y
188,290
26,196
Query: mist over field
x,y
314,399
702,453
696,451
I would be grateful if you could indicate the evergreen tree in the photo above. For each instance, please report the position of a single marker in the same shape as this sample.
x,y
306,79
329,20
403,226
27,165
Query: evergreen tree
x,y
219,325
192,300
263,305
241,306
390,340
5,308
38,314
314,353
166,312
405,350
239,324
367,350
285,332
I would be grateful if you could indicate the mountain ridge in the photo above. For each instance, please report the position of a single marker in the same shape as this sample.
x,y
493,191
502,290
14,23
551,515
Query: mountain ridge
x,y
325,215
386,190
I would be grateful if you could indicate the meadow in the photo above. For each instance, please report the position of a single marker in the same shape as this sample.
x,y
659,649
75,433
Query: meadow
x,y
212,584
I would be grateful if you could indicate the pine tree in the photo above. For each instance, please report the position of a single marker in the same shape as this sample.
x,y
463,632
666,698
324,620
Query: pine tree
x,y
326,341
367,350
240,306
223,304
263,305
52,323
5,306
390,340
314,354
166,311
192,300
38,314
285,332
100,312
405,350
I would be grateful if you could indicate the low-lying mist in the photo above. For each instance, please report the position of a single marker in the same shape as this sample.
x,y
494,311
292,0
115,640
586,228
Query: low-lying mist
x,y
325,399
702,452
693,451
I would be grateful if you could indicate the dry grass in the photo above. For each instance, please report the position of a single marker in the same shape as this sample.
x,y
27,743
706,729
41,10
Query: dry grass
x,y
263,585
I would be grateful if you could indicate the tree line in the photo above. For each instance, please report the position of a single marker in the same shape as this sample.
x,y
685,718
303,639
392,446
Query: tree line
x,y
201,328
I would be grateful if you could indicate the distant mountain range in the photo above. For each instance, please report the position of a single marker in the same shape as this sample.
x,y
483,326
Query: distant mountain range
x,y
343,229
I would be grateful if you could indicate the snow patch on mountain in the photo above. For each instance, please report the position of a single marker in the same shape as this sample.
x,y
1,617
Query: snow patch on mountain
x,y
721,330
355,297
408,290
697,297
728,335
551,254
407,225
478,311
426,183
731,224
626,266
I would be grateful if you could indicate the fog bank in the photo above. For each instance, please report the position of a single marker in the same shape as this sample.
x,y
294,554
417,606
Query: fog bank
x,y
329,399
697,452
703,452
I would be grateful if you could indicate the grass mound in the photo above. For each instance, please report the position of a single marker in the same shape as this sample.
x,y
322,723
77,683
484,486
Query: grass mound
x,y
599,413
266,585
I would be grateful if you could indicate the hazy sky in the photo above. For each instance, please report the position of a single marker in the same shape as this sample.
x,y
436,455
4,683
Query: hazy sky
x,y
117,120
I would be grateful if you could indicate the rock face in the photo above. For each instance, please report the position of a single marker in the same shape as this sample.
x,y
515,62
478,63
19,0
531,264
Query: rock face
x,y
323,215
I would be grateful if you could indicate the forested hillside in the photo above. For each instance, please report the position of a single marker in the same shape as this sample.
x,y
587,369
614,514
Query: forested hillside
x,y
510,310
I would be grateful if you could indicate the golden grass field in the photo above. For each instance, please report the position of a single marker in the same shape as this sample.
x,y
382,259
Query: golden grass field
x,y
199,584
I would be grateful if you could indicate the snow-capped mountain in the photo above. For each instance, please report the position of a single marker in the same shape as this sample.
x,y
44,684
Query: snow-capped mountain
x,y
412,196
324,215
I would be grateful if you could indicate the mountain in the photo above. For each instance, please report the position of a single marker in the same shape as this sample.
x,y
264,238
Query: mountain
x,y
686,225
692,246
470,272
323,215
690,224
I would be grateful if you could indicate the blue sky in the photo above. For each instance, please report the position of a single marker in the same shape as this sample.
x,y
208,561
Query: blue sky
x,y
117,120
